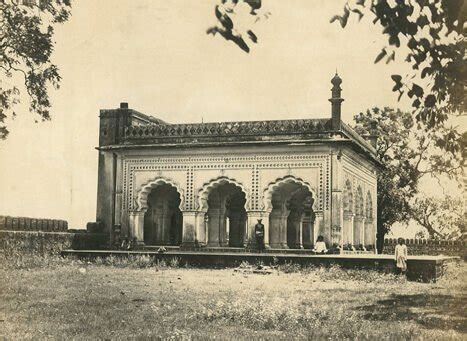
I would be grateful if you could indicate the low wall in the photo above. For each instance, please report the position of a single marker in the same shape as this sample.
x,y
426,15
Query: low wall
x,y
42,243
32,224
424,269
428,247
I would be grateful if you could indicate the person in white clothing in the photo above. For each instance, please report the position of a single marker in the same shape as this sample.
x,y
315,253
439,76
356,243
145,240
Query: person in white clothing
x,y
320,246
400,256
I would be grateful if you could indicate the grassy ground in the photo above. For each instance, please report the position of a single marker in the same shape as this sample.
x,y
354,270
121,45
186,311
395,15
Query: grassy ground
x,y
66,299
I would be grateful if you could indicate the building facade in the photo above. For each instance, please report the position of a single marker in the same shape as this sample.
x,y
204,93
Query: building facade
x,y
208,184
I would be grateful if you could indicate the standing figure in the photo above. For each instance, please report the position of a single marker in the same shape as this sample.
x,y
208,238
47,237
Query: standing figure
x,y
400,256
259,235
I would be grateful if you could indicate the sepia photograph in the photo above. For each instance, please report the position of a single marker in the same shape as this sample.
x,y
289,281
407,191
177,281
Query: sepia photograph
x,y
233,169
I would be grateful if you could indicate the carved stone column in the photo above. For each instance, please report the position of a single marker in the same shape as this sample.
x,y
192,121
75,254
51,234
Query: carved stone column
x,y
118,200
213,227
137,226
202,225
246,229
189,236
337,185
166,226
319,228
275,228
223,237
308,234
227,228
236,229
278,228
370,232
358,230
294,225
362,232
161,223
283,228
347,231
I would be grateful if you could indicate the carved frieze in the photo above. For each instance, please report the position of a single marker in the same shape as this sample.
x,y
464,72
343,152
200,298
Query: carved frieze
x,y
198,167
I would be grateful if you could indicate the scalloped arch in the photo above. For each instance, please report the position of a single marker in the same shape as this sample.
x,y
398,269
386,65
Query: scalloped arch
x,y
268,192
142,198
213,183
348,201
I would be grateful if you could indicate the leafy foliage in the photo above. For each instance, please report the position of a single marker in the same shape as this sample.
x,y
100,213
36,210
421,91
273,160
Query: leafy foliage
x,y
442,218
230,14
409,151
26,45
430,33
433,33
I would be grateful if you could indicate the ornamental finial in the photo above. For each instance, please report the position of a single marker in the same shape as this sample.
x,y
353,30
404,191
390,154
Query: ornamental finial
x,y
336,80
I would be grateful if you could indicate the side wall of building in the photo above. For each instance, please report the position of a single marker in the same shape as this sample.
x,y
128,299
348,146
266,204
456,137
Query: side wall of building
x,y
359,199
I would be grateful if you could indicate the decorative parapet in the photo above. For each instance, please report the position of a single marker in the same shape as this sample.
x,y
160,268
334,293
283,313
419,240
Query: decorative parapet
x,y
419,241
124,126
416,246
251,128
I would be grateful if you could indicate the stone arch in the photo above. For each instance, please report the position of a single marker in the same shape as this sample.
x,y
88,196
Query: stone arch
x,y
348,197
203,193
268,192
142,197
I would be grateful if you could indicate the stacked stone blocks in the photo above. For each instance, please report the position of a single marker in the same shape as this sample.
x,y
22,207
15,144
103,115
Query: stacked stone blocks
x,y
32,224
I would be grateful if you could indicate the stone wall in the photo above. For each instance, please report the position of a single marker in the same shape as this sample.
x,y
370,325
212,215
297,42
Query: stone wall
x,y
45,236
428,247
48,243
32,224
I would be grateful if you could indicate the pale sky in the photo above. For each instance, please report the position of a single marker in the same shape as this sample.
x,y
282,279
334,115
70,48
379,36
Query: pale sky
x,y
155,54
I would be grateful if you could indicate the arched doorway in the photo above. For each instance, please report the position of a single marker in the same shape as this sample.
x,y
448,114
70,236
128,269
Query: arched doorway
x,y
226,215
163,219
291,221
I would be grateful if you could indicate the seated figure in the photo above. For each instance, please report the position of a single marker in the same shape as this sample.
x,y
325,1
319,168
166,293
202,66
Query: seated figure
x,y
320,246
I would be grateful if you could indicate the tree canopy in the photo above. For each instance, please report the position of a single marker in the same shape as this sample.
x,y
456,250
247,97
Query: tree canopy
x,y
442,218
431,36
427,34
409,152
26,46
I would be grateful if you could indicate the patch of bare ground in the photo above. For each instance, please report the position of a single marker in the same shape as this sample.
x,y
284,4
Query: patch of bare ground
x,y
120,299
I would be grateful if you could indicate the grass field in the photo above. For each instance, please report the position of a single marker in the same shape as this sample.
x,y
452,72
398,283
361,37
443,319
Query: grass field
x,y
114,299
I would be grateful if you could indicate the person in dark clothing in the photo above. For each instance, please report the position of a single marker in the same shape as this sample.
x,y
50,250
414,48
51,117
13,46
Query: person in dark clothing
x,y
259,235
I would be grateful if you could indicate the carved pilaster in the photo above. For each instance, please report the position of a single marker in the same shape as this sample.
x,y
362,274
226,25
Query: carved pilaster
x,y
337,218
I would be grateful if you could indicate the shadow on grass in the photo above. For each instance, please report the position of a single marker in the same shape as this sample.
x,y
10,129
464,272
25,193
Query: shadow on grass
x,y
432,311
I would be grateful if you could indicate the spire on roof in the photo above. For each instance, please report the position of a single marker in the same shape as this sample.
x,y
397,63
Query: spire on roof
x,y
336,101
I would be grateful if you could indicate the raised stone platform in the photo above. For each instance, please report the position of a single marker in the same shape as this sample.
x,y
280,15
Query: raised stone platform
x,y
419,268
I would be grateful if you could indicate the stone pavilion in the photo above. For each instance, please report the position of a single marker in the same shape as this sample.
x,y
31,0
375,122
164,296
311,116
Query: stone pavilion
x,y
205,185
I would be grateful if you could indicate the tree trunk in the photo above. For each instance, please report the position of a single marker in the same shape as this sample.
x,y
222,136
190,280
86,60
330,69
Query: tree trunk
x,y
380,234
